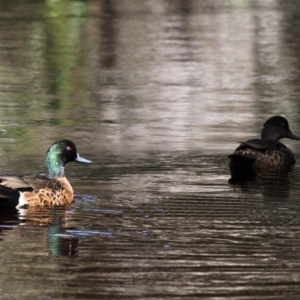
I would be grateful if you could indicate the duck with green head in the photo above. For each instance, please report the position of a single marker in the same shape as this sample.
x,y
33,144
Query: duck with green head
x,y
264,156
51,190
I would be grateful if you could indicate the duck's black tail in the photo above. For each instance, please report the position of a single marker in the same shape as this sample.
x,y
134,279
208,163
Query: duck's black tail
x,y
241,168
9,197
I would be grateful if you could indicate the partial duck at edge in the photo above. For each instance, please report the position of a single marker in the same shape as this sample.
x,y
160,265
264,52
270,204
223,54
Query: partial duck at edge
x,y
263,156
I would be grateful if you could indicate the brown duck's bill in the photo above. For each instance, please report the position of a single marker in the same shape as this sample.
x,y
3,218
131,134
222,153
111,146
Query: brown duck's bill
x,y
290,135
82,160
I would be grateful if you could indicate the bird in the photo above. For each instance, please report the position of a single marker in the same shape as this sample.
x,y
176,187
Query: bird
x,y
43,190
265,156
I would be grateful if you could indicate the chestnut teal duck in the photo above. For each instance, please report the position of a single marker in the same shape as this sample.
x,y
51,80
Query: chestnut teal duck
x,y
49,190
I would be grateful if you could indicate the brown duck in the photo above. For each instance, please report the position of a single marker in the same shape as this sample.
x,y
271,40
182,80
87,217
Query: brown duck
x,y
43,190
263,156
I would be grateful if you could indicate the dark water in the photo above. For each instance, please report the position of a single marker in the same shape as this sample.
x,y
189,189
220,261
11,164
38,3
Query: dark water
x,y
156,94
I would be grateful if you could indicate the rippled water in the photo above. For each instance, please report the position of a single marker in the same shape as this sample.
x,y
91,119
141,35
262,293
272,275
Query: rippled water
x,y
157,94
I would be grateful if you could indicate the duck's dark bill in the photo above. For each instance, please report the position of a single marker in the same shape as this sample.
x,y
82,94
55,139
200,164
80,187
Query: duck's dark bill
x,y
82,160
290,135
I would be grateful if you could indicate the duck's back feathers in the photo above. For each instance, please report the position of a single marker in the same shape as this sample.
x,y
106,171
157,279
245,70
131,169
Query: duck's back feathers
x,y
254,149
260,157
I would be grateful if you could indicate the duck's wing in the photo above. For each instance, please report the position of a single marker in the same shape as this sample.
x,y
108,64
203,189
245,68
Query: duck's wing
x,y
255,144
11,186
28,183
263,145
252,149
248,150
24,183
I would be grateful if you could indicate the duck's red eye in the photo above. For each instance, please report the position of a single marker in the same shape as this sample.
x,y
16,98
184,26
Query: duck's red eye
x,y
69,148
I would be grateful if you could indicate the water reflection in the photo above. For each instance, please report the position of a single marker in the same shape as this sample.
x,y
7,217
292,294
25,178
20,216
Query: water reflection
x,y
59,241
146,73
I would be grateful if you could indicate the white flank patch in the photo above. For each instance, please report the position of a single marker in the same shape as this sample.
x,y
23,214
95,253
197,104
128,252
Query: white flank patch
x,y
22,201
22,214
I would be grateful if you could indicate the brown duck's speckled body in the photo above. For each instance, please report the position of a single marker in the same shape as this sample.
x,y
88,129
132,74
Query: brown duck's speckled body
x,y
264,157
42,190
60,193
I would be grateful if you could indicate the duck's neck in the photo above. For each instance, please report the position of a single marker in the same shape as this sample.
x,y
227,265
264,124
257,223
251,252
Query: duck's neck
x,y
55,165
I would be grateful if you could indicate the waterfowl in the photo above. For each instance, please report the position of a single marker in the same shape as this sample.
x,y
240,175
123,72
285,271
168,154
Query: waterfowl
x,y
43,190
266,155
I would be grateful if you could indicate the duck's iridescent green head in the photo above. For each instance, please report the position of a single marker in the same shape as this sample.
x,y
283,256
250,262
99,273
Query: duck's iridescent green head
x,y
59,154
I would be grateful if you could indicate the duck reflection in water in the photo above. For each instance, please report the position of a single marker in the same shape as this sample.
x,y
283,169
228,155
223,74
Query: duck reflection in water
x,y
59,241
266,158
55,219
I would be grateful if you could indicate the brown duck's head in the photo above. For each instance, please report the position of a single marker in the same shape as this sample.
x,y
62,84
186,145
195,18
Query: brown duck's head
x,y
276,128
